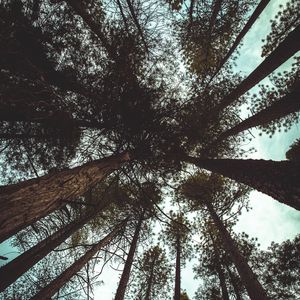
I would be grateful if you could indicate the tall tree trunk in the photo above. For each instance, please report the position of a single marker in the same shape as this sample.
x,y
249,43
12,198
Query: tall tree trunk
x,y
259,9
219,269
278,179
177,274
24,203
127,267
137,24
288,104
286,49
21,264
234,284
150,281
216,8
222,279
253,287
95,27
48,291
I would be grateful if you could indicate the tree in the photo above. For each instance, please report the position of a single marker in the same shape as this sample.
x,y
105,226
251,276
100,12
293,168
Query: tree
x,y
21,264
207,197
276,179
177,235
40,196
293,152
84,79
206,32
152,276
288,104
280,269
127,267
286,49
52,288
257,12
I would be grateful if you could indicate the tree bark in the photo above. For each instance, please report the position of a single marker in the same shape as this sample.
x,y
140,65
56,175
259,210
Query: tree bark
x,y
288,104
259,9
137,24
21,264
177,274
48,291
80,10
286,49
127,267
222,280
150,281
278,179
219,269
253,287
234,284
24,203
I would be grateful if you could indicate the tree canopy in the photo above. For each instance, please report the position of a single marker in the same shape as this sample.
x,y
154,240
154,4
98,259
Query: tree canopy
x,y
122,144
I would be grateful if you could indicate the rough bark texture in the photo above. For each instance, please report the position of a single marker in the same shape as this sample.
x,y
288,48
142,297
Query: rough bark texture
x,y
24,203
252,285
10,272
288,104
51,289
234,284
127,267
261,6
222,280
177,274
286,49
278,179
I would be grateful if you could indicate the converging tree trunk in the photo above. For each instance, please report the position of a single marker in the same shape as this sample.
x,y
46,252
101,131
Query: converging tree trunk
x,y
24,203
95,27
286,49
278,179
234,284
288,104
52,288
259,9
177,288
127,267
222,279
253,287
219,269
150,280
10,272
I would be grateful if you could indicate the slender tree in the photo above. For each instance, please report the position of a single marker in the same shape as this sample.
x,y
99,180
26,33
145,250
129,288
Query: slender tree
x,y
27,201
151,276
257,12
52,288
22,263
128,264
177,235
288,104
286,49
254,288
207,197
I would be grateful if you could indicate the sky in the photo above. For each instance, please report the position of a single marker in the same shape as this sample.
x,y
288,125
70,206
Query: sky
x,y
268,220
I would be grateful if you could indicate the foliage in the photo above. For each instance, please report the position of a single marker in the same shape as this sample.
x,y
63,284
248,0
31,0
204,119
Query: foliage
x,y
294,151
280,271
286,19
81,80
152,275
